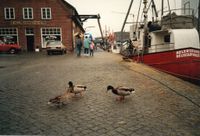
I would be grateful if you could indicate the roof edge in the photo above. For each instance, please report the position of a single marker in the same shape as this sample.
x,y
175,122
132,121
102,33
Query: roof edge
x,y
76,19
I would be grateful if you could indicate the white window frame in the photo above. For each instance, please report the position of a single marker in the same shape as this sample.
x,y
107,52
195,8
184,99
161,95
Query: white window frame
x,y
29,14
50,31
46,13
10,10
9,31
29,31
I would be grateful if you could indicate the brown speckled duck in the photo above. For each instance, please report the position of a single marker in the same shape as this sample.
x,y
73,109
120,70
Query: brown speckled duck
x,y
58,100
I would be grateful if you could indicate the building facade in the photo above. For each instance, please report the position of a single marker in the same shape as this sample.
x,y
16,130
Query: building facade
x,y
122,36
31,23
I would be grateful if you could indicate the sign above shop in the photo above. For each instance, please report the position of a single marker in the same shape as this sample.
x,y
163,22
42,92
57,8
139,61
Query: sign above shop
x,y
28,23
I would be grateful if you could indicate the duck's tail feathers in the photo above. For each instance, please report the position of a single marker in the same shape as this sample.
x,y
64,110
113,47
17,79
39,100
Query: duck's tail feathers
x,y
81,86
132,89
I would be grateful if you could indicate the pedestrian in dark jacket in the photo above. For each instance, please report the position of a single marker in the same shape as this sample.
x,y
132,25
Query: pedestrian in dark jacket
x,y
79,45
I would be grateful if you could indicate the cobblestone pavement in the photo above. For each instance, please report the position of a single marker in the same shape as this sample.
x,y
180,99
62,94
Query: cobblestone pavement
x,y
162,105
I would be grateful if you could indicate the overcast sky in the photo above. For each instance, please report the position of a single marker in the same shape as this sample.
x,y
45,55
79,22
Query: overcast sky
x,y
112,12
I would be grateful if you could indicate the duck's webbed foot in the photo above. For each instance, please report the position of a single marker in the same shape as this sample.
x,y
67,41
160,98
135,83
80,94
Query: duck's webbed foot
x,y
120,98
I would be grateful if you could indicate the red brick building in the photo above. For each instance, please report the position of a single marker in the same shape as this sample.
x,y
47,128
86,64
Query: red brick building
x,y
31,23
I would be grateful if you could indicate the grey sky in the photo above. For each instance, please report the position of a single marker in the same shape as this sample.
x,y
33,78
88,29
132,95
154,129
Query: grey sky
x,y
112,12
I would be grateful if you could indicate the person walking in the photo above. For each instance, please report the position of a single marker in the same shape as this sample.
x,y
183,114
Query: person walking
x,y
92,48
79,45
86,45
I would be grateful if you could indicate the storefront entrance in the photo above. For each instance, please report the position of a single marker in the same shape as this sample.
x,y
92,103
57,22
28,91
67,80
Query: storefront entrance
x,y
30,43
30,39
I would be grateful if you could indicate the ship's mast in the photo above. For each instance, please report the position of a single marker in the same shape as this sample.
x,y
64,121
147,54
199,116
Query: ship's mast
x,y
145,10
162,7
126,19
154,10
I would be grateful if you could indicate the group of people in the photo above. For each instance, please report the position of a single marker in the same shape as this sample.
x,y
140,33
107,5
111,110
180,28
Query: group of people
x,y
88,46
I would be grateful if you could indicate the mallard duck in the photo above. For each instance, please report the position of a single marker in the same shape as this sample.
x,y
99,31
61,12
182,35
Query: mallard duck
x,y
121,91
76,89
55,100
60,99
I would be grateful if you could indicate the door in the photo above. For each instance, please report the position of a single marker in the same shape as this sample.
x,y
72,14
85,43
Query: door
x,y
30,43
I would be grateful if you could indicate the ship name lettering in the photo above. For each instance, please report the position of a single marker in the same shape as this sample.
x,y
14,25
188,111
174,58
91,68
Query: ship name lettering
x,y
187,53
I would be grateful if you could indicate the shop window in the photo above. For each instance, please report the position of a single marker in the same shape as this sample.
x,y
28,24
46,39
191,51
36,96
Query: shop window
x,y
50,34
10,31
46,13
9,13
8,35
28,13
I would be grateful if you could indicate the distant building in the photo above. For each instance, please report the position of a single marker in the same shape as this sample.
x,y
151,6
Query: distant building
x,y
31,23
122,36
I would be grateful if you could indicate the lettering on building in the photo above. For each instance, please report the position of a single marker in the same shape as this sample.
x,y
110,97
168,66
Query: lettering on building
x,y
28,23
187,53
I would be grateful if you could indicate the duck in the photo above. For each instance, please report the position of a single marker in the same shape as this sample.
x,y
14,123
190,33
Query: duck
x,y
76,89
121,91
60,99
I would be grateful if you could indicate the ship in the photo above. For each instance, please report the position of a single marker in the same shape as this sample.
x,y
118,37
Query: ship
x,y
170,45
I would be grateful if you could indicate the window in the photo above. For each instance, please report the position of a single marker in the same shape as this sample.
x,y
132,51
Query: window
x,y
50,33
9,13
9,35
46,13
8,31
167,38
29,31
28,13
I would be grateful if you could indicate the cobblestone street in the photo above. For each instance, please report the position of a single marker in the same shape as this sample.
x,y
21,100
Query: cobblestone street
x,y
162,105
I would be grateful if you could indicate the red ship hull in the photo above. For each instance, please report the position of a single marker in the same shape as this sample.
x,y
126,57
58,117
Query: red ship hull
x,y
183,63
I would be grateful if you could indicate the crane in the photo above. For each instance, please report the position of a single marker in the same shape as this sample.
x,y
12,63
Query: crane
x,y
86,17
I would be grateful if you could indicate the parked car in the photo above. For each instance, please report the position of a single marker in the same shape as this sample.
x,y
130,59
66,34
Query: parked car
x,y
55,46
9,48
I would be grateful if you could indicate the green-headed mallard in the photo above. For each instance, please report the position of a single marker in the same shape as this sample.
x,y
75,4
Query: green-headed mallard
x,y
121,91
76,89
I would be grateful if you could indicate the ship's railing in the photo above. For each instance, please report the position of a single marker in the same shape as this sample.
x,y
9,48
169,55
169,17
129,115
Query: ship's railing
x,y
161,47
179,12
